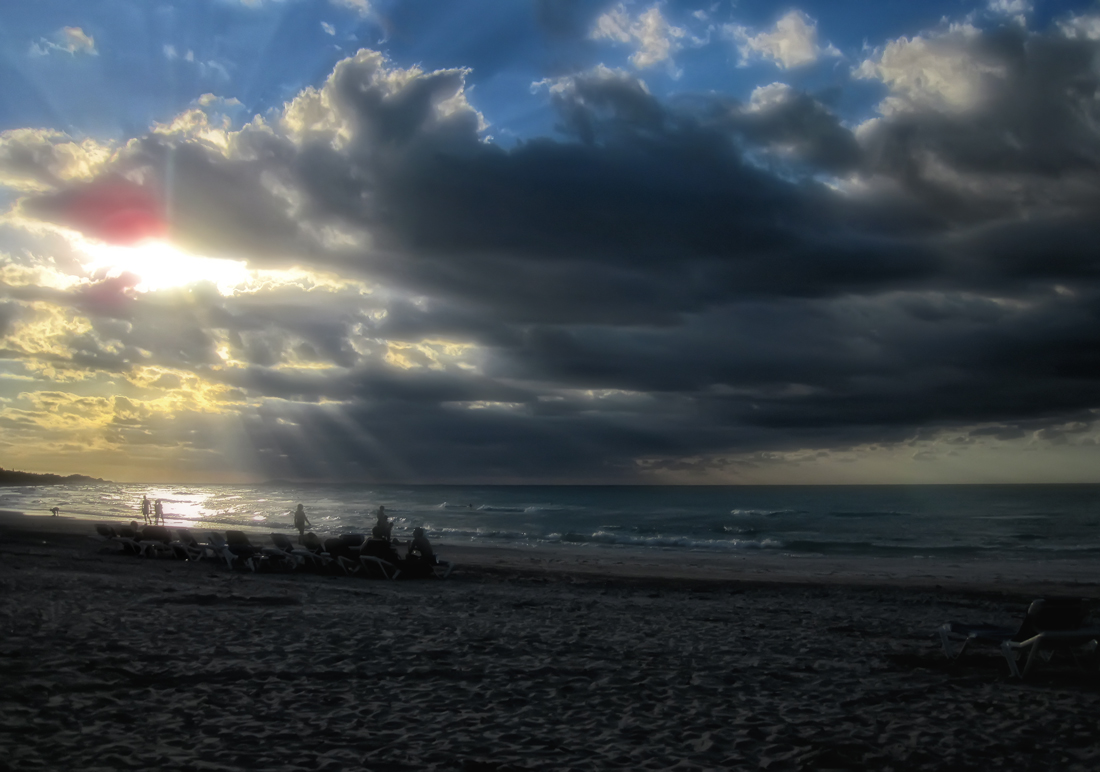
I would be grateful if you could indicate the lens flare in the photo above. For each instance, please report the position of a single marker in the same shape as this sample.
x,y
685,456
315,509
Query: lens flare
x,y
160,265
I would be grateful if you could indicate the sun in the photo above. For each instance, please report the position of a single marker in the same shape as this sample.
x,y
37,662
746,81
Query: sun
x,y
161,265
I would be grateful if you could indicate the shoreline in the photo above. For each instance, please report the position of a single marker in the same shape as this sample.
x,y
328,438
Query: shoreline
x,y
599,563
111,661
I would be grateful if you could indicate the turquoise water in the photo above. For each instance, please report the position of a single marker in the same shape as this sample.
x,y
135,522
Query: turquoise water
x,y
994,521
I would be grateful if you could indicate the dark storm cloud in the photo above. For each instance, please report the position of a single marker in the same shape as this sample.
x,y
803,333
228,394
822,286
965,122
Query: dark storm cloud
x,y
374,385
804,127
1029,144
663,280
441,443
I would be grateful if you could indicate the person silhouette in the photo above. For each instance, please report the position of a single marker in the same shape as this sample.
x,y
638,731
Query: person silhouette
x,y
56,511
145,508
383,529
420,548
301,521
158,513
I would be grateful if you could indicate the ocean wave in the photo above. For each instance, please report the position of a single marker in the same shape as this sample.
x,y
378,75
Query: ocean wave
x,y
765,512
544,509
1036,516
872,513
665,541
473,534
872,548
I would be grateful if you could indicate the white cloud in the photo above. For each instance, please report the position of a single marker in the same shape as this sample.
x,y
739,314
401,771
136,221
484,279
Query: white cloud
x,y
328,28
1087,27
209,120
361,7
792,43
942,71
1010,7
772,95
212,68
1017,10
567,85
71,40
208,69
657,40
316,112
41,159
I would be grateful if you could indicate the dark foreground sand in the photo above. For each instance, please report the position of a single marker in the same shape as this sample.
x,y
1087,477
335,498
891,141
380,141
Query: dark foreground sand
x,y
521,660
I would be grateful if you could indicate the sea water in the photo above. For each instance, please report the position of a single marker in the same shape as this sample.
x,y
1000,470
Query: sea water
x,y
973,521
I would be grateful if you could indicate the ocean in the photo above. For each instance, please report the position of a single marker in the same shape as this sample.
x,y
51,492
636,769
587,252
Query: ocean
x,y
1029,522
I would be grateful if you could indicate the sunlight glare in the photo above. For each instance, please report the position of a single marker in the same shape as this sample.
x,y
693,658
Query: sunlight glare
x,y
161,265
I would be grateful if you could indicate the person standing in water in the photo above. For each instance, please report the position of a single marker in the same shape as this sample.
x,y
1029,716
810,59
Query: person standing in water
x,y
158,513
145,508
301,521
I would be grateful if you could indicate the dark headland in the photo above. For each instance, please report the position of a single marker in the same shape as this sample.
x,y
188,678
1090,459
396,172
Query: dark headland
x,y
12,477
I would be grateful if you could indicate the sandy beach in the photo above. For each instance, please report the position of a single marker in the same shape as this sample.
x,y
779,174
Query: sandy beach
x,y
523,659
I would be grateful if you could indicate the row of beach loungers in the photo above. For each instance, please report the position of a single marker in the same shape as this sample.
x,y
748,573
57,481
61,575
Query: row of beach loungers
x,y
1050,626
347,554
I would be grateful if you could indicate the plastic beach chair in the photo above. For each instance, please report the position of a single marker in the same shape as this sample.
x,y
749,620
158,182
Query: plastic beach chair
x,y
442,568
220,548
129,545
240,546
311,543
1050,624
302,557
278,558
376,557
186,546
155,541
343,556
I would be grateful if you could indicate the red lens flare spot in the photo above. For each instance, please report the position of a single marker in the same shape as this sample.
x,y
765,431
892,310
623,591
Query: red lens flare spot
x,y
116,211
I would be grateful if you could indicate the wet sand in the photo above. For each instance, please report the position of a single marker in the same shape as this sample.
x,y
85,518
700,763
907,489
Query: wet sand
x,y
523,659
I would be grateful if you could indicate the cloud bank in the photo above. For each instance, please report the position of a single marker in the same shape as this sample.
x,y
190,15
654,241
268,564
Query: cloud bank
x,y
695,289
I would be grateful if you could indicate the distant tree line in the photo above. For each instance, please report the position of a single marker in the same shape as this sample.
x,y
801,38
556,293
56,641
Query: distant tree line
x,y
11,477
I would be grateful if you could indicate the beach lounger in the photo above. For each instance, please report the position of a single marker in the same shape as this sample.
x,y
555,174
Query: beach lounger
x,y
352,539
277,558
312,544
186,546
129,545
239,545
302,557
130,539
956,632
155,542
344,556
220,548
1049,625
377,559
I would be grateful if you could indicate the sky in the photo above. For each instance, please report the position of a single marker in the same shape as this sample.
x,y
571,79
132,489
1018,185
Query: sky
x,y
553,241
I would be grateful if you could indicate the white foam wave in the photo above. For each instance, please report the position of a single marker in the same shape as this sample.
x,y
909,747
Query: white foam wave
x,y
663,541
765,512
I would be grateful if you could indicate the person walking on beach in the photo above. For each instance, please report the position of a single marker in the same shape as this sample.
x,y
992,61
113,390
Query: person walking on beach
x,y
145,508
301,521
158,513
